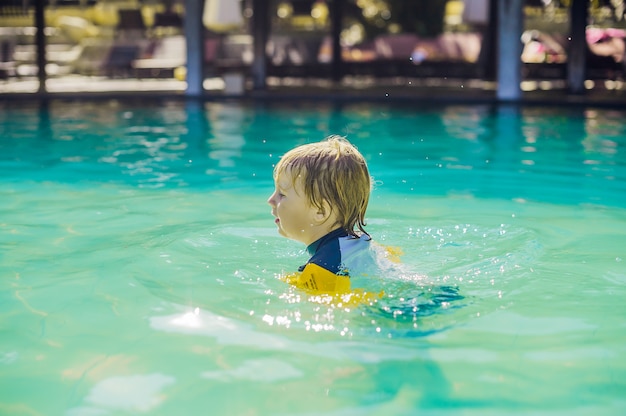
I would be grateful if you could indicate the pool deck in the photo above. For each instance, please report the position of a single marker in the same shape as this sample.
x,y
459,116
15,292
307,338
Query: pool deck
x,y
606,94
447,91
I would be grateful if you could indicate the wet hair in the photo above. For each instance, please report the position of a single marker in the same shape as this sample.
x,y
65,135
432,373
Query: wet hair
x,y
334,171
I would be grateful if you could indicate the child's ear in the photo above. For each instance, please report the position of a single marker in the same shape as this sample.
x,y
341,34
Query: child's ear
x,y
323,212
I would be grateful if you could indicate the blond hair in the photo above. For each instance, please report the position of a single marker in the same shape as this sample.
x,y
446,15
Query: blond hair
x,y
334,171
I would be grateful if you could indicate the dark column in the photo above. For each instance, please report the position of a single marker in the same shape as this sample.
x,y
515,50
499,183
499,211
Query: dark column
x,y
195,47
490,42
260,34
576,55
40,40
509,49
336,16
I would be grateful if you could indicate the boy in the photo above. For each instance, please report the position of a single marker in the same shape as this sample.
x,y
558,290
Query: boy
x,y
322,192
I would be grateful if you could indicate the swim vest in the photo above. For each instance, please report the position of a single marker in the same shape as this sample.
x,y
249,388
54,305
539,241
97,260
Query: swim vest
x,y
334,259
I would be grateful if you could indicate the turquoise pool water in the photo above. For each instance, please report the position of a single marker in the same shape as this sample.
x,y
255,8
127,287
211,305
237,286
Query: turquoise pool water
x,y
138,262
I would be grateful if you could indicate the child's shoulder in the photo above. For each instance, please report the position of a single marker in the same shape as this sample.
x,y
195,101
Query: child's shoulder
x,y
375,259
361,241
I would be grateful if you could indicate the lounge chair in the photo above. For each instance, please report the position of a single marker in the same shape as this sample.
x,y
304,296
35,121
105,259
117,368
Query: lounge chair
x,y
168,54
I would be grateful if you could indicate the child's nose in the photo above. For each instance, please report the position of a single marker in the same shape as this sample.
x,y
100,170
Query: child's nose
x,y
270,200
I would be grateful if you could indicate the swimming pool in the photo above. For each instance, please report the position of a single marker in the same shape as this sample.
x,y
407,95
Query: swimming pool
x,y
139,259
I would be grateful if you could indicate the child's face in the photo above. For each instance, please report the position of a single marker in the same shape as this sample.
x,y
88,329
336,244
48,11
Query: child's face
x,y
295,217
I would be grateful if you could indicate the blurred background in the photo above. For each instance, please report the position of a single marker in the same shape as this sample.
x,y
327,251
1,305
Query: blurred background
x,y
144,44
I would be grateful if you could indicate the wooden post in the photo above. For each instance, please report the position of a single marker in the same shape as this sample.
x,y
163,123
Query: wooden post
x,y
195,47
336,17
260,34
40,40
509,49
577,52
491,42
